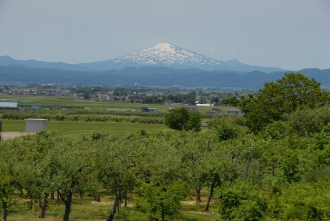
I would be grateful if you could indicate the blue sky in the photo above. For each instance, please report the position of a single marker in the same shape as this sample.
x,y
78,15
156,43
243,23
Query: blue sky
x,y
290,34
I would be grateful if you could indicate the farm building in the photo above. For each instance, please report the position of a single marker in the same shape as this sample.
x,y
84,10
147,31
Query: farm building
x,y
204,105
35,107
151,109
235,112
35,125
192,110
9,106
148,109
56,107
215,111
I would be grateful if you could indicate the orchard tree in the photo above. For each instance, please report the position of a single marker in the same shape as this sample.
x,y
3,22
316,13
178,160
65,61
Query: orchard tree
x,y
163,200
194,122
180,119
177,119
72,169
118,165
6,190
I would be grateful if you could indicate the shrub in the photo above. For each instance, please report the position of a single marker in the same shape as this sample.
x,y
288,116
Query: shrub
x,y
227,131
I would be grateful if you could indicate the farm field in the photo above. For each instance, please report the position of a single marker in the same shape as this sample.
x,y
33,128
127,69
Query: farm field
x,y
69,127
95,105
78,127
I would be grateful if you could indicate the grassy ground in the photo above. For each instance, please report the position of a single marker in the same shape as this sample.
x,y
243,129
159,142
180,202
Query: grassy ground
x,y
87,209
79,127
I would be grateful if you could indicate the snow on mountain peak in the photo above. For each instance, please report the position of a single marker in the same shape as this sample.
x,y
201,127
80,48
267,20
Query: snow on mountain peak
x,y
166,54
165,46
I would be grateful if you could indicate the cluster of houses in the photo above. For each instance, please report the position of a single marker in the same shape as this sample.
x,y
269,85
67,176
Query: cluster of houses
x,y
14,106
108,94
35,91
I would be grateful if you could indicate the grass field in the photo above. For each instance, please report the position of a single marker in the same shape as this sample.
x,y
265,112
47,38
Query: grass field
x,y
79,127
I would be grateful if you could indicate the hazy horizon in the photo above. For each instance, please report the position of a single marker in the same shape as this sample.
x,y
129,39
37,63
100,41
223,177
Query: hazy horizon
x,y
290,34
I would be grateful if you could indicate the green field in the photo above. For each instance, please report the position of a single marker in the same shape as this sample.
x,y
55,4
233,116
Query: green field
x,y
78,127
48,101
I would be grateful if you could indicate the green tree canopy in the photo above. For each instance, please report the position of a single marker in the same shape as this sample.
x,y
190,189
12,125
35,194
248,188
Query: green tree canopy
x,y
180,119
281,97
177,119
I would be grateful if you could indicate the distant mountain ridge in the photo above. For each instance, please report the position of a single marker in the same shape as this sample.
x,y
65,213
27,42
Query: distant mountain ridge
x,y
150,76
160,55
161,65
6,60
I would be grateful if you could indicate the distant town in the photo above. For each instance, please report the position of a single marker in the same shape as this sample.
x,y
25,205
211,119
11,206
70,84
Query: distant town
x,y
195,96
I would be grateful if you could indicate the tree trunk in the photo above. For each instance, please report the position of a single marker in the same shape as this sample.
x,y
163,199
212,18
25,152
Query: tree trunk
x,y
43,206
115,204
163,212
126,198
198,194
97,197
273,167
259,174
247,168
30,204
68,203
58,195
52,196
21,192
208,146
211,194
4,211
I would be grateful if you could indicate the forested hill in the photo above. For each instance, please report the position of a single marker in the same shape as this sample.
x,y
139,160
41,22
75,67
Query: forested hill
x,y
151,76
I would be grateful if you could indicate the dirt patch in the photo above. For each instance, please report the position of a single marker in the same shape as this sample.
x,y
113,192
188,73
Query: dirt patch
x,y
129,205
193,202
201,212
101,203
11,135
188,202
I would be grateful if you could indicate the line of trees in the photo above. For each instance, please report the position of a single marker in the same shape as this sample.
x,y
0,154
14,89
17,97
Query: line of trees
x,y
276,99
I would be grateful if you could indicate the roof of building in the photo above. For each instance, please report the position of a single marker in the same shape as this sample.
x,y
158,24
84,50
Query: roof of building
x,y
9,104
204,105
35,119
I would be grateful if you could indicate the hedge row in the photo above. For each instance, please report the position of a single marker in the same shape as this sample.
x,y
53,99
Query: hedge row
x,y
82,117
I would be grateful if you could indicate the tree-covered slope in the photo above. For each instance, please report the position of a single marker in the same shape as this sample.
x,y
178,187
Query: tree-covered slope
x,y
150,76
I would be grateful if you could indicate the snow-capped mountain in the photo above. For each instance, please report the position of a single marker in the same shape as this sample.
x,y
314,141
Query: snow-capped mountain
x,y
169,55
166,54
160,55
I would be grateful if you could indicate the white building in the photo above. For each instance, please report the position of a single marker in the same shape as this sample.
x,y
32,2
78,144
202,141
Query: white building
x,y
34,125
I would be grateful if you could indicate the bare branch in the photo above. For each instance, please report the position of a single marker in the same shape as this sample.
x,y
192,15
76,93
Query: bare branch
x,y
130,165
